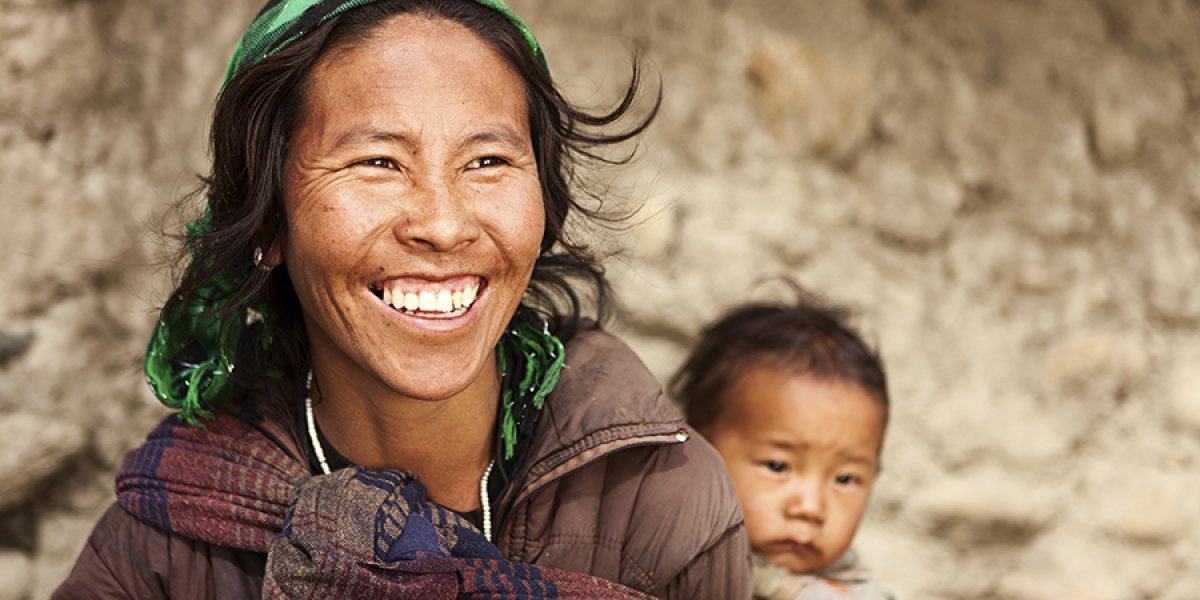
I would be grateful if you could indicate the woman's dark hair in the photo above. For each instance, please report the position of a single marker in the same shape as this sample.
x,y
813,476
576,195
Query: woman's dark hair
x,y
253,121
802,338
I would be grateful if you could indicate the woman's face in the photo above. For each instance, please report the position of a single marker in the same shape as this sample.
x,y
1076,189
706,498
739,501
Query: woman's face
x,y
414,209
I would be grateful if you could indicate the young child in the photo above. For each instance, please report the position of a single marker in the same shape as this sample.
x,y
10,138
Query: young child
x,y
797,405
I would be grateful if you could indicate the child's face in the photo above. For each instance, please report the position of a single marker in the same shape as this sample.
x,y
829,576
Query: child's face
x,y
803,453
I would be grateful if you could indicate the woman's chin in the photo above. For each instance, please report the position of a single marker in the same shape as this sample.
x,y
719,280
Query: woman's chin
x,y
439,374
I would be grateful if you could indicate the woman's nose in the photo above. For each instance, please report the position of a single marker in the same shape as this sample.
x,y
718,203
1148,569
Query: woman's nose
x,y
806,501
436,216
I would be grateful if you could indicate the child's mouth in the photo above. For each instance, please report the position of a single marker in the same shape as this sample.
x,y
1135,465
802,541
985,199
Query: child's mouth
x,y
806,549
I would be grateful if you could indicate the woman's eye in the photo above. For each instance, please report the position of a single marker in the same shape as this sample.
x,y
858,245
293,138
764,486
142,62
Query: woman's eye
x,y
486,161
775,466
381,163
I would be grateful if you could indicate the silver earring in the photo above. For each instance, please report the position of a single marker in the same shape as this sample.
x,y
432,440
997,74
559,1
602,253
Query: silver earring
x,y
259,255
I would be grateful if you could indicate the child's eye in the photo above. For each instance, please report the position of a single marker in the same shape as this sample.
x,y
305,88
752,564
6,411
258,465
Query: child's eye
x,y
380,163
486,161
775,466
847,479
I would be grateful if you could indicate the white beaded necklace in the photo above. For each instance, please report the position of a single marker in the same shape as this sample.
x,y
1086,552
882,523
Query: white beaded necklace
x,y
319,451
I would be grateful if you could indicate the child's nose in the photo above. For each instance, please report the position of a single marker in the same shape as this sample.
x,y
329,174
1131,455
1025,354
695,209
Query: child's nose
x,y
806,501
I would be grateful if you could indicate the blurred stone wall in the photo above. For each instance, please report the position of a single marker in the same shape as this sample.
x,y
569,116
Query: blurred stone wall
x,y
1008,191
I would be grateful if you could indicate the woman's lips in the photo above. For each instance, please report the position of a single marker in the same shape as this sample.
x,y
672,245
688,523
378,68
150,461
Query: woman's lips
x,y
430,299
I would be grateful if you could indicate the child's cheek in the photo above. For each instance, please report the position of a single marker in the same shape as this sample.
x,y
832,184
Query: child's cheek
x,y
760,517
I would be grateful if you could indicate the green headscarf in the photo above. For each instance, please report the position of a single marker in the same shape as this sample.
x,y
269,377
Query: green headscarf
x,y
282,22
190,357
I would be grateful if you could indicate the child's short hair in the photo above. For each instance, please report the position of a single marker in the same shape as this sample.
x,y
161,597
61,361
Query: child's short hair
x,y
804,338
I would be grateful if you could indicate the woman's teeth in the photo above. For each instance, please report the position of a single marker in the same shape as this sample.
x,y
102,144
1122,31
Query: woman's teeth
x,y
432,303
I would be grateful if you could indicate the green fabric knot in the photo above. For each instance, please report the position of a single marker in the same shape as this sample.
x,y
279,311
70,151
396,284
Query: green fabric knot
x,y
543,355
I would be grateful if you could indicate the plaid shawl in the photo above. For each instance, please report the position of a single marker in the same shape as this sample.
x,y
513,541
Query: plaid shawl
x,y
353,533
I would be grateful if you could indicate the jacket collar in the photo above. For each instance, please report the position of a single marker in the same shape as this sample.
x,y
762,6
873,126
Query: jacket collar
x,y
606,400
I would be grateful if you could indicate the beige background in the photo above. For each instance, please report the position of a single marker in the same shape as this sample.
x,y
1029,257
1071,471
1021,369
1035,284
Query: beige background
x,y
1007,190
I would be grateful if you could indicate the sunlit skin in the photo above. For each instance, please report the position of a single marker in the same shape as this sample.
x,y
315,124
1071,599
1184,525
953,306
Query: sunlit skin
x,y
803,454
412,165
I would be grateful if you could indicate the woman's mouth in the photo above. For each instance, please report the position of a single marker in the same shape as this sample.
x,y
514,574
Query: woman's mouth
x,y
429,299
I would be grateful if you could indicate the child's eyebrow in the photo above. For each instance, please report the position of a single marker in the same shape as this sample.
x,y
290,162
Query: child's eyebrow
x,y
867,460
786,445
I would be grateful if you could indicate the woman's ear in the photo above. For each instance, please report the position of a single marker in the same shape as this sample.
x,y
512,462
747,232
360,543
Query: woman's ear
x,y
274,255
273,230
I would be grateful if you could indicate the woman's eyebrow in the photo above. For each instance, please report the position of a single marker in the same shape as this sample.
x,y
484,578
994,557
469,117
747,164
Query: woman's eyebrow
x,y
356,137
501,134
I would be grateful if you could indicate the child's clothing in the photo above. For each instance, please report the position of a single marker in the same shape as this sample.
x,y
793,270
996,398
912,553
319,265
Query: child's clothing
x,y
843,580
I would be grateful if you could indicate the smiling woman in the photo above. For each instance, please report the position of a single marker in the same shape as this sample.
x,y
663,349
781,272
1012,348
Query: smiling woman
x,y
418,406
411,175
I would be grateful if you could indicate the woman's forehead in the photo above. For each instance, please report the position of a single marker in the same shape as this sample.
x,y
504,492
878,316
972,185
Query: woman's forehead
x,y
408,37
414,77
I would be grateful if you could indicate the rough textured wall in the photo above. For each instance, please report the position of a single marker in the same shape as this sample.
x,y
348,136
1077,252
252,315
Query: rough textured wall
x,y
1007,190
102,117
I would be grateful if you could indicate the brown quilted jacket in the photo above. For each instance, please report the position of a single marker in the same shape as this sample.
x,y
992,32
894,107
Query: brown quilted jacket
x,y
614,485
